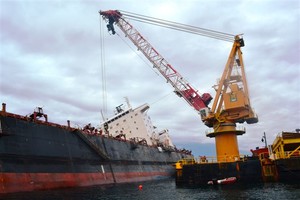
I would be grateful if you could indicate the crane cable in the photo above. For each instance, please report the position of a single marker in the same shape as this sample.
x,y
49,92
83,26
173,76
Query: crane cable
x,y
175,26
150,66
179,26
142,58
103,70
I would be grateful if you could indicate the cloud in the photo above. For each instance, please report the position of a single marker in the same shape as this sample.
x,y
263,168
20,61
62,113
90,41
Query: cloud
x,y
51,56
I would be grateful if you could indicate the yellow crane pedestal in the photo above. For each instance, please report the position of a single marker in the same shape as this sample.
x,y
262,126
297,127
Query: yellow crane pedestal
x,y
226,142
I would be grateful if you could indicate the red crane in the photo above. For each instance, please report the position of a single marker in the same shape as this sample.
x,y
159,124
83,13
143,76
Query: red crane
x,y
181,86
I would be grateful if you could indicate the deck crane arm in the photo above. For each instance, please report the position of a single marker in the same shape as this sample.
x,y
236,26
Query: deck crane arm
x,y
181,86
232,103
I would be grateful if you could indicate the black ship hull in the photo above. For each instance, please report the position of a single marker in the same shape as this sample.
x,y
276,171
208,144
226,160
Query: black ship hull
x,y
42,155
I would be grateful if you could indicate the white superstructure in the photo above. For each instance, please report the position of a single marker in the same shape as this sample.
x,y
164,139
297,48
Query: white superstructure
x,y
136,125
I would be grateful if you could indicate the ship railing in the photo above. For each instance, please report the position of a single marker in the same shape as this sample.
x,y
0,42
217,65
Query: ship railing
x,y
208,160
288,154
220,159
27,118
295,153
237,128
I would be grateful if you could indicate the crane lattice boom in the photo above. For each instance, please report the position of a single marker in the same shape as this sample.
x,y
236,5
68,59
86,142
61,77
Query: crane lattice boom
x,y
181,86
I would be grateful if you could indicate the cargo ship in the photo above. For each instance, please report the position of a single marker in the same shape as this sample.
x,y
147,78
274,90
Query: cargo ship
x,y
279,162
36,154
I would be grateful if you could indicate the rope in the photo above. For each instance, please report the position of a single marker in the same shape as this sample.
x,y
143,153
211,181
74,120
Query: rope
x,y
161,98
103,68
142,58
180,27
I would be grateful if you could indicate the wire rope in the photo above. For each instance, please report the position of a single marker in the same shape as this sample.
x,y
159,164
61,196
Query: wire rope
x,y
179,26
142,58
103,70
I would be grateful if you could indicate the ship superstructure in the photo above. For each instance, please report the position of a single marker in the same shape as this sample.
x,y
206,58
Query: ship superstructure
x,y
136,125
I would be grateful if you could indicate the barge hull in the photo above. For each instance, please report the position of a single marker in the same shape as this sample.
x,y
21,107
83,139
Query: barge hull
x,y
200,174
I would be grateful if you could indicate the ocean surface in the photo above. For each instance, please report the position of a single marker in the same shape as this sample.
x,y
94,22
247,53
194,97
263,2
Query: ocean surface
x,y
165,190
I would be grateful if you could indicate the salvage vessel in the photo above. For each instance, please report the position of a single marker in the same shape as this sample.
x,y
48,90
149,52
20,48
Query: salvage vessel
x,y
277,162
231,106
36,154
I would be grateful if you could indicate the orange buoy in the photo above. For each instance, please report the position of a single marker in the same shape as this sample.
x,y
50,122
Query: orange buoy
x,y
140,187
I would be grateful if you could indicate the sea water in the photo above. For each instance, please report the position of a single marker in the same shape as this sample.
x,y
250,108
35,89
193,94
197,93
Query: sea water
x,y
165,190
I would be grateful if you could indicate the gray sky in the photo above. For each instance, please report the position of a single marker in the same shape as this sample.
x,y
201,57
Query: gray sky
x,y
50,56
